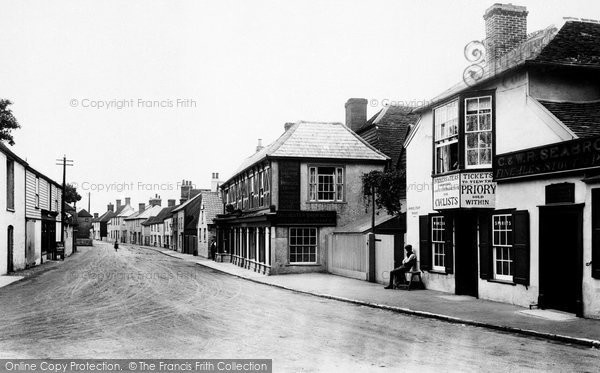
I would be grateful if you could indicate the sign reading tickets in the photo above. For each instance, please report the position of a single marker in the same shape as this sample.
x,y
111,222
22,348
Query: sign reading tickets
x,y
464,190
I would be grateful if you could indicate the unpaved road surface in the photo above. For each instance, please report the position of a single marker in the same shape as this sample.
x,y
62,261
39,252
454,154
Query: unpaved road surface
x,y
138,303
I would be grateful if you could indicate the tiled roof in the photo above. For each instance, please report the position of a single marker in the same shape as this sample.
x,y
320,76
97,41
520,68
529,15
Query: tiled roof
x,y
213,205
84,214
132,216
316,140
583,118
158,219
574,42
388,129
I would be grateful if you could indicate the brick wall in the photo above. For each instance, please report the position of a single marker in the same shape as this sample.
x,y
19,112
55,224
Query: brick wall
x,y
505,28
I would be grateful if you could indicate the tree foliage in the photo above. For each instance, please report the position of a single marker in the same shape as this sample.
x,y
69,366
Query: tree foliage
x,y
8,122
71,194
387,186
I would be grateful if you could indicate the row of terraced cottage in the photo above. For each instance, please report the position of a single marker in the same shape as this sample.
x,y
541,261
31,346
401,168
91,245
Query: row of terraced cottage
x,y
502,194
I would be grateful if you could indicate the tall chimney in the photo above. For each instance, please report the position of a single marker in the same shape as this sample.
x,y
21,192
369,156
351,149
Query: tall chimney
x,y
118,204
127,200
95,215
110,207
142,207
505,28
214,182
186,187
171,203
259,147
356,113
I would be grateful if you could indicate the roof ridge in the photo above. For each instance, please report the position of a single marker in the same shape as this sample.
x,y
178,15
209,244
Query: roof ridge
x,y
570,102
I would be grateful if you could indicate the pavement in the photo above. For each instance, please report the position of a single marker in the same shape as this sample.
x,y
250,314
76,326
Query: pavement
x,y
546,324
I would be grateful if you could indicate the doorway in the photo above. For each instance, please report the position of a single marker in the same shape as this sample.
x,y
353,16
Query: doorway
x,y
9,246
466,279
561,272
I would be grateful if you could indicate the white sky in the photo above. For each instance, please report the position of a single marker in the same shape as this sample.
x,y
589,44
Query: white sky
x,y
250,66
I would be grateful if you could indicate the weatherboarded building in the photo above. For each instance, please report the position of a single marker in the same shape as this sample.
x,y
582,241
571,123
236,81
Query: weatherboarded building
x,y
285,199
504,171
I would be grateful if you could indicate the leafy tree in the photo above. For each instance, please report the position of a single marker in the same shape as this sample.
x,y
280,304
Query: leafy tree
x,y
71,194
8,122
386,185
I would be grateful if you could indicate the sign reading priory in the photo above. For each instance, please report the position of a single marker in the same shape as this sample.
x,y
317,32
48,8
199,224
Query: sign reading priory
x,y
464,190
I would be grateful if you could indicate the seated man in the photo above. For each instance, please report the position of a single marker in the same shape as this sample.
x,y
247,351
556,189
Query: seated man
x,y
408,264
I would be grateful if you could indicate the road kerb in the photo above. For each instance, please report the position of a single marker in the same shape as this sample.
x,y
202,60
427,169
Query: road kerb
x,y
456,320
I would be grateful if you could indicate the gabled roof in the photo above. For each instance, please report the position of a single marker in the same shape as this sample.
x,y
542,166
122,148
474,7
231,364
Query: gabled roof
x,y
148,213
583,118
105,217
388,129
213,205
158,219
571,42
186,203
326,140
133,215
120,210
4,149
192,212
84,214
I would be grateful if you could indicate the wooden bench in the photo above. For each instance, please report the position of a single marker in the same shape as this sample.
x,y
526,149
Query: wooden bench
x,y
412,284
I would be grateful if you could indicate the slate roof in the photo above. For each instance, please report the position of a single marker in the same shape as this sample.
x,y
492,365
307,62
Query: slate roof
x,y
388,129
572,42
159,219
120,210
583,118
213,205
105,217
192,213
183,205
316,140
132,216
84,214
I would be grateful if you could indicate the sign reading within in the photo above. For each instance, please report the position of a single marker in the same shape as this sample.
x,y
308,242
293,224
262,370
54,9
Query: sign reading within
x,y
464,190
446,192
555,158
477,189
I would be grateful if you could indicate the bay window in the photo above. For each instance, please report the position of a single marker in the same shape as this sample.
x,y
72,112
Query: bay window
x,y
478,132
446,137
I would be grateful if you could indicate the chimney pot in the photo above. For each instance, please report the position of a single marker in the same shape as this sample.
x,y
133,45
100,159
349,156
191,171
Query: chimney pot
x,y
259,147
505,29
95,215
110,207
356,113
118,203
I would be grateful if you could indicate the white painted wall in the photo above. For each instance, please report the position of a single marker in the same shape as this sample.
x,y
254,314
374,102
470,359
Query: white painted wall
x,y
15,218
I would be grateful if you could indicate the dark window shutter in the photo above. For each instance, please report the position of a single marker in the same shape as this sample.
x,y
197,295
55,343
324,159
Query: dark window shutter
x,y
596,233
485,247
521,247
449,245
424,243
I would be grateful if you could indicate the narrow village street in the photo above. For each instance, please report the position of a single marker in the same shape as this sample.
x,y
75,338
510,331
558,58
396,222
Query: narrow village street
x,y
138,303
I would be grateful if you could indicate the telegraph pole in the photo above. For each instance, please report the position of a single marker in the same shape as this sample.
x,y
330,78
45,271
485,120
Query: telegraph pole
x,y
63,162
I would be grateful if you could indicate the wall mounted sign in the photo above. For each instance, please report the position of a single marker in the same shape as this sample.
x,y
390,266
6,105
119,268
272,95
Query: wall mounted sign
x,y
561,157
464,190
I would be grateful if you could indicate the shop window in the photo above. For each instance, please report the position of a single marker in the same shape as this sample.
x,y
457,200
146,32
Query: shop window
x,y
303,245
446,137
478,132
502,238
326,184
438,242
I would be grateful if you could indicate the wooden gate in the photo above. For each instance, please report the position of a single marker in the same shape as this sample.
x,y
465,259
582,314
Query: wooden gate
x,y
348,255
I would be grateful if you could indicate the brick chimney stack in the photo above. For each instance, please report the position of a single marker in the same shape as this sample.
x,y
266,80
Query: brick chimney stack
x,y
288,125
156,201
214,182
186,187
110,207
171,203
118,204
142,207
127,200
95,215
505,28
356,113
